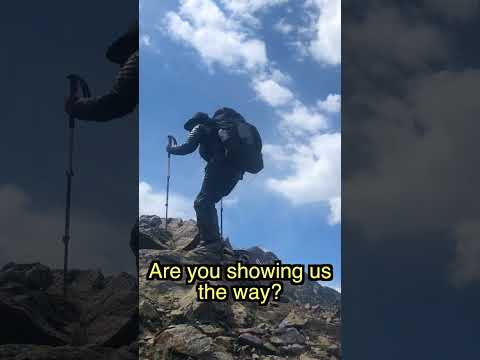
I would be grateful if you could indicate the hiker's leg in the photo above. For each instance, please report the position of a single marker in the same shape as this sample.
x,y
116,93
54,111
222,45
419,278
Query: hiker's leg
x,y
205,207
219,181
225,182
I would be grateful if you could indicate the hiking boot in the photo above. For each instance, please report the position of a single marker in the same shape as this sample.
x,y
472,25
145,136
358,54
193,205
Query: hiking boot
x,y
207,253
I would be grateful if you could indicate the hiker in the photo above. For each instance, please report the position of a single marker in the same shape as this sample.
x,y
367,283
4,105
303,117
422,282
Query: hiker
x,y
222,171
122,99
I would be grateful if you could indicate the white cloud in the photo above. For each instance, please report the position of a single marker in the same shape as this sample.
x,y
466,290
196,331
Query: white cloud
x,y
246,9
145,40
279,76
326,45
152,202
335,215
226,36
279,154
331,104
32,234
216,37
271,92
316,172
301,120
283,27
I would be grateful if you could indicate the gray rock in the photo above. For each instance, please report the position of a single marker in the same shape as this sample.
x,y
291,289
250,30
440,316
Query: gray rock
x,y
334,350
294,349
43,352
225,342
294,319
270,348
39,277
250,339
185,340
220,356
287,336
95,311
205,312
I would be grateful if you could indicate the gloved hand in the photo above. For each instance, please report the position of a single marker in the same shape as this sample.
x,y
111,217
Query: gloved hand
x,y
69,103
171,142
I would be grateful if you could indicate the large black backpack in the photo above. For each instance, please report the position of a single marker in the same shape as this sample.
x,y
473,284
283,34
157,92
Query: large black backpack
x,y
241,140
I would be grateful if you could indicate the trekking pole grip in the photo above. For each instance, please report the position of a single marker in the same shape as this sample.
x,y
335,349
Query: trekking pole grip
x,y
73,80
76,84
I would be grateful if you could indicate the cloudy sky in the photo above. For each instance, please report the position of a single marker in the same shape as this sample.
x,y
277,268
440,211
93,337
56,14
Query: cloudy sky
x,y
33,140
278,63
410,180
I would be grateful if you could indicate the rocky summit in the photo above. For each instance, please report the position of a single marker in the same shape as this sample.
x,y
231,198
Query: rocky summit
x,y
97,319
106,317
303,324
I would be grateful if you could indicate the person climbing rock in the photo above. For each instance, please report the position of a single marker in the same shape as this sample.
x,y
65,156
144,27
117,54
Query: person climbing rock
x,y
122,99
219,141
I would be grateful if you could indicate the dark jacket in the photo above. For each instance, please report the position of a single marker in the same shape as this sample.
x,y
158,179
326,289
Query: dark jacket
x,y
203,135
121,100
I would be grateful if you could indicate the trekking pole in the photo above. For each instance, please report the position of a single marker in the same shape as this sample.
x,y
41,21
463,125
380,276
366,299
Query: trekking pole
x,y
76,82
221,218
171,140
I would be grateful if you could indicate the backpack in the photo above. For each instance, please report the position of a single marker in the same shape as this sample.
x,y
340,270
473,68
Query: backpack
x,y
241,140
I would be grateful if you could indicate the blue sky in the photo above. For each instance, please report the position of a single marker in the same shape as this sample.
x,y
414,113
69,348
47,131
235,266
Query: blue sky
x,y
277,62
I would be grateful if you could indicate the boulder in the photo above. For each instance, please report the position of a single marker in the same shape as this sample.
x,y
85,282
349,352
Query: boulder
x,y
183,339
287,336
205,312
250,339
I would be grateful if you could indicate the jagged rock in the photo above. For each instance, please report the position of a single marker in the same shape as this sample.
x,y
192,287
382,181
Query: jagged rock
x,y
294,319
224,342
334,350
148,310
211,330
153,234
221,356
307,357
255,331
269,347
230,330
315,325
322,342
205,312
257,255
242,316
294,349
250,339
34,276
288,336
96,310
44,352
185,340
39,277
86,281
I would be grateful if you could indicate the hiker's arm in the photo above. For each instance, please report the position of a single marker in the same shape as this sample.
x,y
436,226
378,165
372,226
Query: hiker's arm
x,y
190,145
120,101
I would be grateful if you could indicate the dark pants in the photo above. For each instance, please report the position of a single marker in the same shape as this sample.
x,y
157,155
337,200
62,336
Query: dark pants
x,y
219,181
